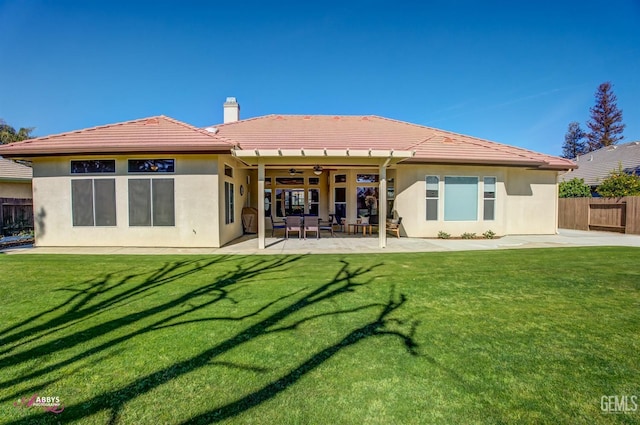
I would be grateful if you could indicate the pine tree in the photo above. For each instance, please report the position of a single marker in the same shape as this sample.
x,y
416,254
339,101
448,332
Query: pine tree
x,y
574,143
606,119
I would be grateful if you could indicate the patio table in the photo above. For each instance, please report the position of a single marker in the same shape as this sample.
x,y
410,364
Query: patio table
x,y
356,226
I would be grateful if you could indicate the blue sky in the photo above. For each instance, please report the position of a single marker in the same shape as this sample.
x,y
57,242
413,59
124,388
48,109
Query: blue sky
x,y
511,72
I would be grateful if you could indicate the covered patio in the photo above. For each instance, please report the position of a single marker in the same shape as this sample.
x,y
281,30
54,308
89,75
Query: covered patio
x,y
271,163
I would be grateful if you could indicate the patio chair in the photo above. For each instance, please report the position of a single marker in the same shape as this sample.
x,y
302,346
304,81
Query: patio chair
x,y
393,226
312,224
276,225
336,220
293,223
327,226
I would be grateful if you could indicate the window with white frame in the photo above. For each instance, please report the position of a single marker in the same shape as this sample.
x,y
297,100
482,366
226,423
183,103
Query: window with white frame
x,y
313,196
489,198
229,201
340,201
151,202
93,202
460,198
433,194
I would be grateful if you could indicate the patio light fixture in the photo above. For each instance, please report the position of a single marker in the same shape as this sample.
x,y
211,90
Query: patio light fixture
x,y
317,170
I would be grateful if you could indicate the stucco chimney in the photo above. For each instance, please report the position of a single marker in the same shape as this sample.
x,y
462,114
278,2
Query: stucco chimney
x,y
231,110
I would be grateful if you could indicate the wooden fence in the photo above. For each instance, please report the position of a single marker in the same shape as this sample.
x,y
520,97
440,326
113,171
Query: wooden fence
x,y
610,214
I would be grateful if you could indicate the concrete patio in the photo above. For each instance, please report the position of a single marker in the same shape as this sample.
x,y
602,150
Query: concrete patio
x,y
362,245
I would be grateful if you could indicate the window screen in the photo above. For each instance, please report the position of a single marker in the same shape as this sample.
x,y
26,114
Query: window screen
x,y
93,202
105,202
139,202
163,202
151,202
82,202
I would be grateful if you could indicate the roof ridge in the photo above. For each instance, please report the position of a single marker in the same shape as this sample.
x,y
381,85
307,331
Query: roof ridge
x,y
194,128
261,117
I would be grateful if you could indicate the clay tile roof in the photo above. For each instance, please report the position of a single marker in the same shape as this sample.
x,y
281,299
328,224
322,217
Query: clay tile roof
x,y
372,132
12,171
154,134
597,165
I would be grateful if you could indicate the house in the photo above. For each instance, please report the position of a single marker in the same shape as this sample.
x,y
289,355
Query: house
x,y
597,165
16,210
160,182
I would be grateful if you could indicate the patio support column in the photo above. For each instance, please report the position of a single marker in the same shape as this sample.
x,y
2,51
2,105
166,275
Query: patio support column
x,y
261,205
382,207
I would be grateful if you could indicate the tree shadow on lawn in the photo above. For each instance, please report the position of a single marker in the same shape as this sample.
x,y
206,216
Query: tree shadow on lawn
x,y
344,282
166,312
78,306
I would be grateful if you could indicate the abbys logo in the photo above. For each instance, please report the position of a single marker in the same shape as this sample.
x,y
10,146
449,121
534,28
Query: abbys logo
x,y
48,404
619,404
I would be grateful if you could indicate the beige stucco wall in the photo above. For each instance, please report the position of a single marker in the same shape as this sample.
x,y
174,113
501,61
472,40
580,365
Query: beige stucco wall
x,y
229,232
21,190
196,187
526,201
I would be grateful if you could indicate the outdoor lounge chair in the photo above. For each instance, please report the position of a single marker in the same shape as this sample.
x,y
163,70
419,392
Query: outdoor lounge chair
x,y
393,226
312,224
276,225
293,223
336,220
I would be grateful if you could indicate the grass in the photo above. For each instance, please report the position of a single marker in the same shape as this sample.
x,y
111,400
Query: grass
x,y
518,336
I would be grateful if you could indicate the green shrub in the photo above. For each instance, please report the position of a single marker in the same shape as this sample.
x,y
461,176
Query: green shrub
x,y
619,184
574,188
467,235
489,234
443,235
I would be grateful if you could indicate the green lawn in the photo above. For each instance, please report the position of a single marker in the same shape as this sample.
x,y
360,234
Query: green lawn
x,y
518,336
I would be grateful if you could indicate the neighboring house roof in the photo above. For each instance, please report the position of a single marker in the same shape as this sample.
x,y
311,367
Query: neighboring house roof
x,y
272,132
595,166
418,144
154,134
12,171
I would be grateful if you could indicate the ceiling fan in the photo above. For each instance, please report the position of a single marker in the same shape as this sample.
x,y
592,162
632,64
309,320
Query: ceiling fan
x,y
293,172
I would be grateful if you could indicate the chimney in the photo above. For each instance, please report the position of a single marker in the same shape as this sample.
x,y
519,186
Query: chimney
x,y
231,110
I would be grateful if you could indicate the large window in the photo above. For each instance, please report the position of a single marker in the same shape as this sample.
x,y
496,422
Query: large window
x,y
340,201
289,202
151,202
229,203
367,198
460,198
433,193
489,198
93,202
